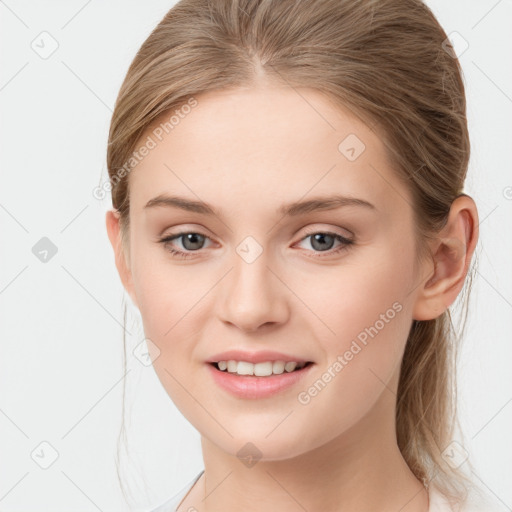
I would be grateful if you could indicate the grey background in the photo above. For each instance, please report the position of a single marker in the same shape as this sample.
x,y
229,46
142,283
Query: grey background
x,y
61,339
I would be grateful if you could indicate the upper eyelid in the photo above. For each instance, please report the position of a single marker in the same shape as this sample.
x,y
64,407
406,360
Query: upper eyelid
x,y
200,229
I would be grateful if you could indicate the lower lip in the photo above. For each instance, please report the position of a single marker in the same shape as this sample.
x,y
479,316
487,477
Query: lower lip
x,y
249,386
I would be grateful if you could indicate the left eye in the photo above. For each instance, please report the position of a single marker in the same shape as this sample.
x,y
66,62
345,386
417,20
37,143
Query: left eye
x,y
192,242
320,240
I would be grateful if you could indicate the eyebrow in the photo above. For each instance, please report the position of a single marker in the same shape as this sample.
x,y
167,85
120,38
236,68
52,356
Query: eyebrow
x,y
287,210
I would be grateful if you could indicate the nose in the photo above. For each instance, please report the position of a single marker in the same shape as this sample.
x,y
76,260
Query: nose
x,y
253,295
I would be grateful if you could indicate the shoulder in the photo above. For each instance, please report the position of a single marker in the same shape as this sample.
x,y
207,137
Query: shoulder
x,y
172,503
437,501
475,503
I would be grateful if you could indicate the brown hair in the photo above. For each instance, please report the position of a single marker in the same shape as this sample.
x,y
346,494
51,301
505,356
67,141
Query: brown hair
x,y
389,63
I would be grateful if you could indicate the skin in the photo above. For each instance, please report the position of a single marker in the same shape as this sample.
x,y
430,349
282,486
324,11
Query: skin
x,y
247,152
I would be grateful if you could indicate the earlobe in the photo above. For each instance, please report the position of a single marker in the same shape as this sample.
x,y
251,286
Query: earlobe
x,y
452,251
114,235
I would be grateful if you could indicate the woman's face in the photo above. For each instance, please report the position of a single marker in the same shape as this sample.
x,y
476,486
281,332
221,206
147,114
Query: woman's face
x,y
259,279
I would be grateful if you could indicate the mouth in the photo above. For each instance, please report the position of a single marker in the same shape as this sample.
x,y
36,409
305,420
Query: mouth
x,y
251,386
272,369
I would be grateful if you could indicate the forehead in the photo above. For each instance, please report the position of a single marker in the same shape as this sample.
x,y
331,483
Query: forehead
x,y
265,144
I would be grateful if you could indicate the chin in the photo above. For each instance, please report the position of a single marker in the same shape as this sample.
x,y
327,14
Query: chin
x,y
256,445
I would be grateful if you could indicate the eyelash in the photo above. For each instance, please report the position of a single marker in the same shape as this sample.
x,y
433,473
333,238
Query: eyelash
x,y
346,243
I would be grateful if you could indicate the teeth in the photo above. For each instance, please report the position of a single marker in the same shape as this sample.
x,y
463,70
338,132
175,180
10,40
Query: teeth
x,y
259,369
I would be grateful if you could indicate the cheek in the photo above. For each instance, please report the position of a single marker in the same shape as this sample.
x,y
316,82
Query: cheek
x,y
366,315
360,363
169,304
164,291
173,302
356,294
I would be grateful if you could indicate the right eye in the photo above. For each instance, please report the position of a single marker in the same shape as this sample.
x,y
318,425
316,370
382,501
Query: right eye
x,y
190,242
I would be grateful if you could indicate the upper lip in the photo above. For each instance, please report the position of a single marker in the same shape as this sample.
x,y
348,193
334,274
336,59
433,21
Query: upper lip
x,y
255,357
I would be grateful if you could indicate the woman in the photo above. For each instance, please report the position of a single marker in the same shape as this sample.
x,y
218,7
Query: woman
x,y
289,218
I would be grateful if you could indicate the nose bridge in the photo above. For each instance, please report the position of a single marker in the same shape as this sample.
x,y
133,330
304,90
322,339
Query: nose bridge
x,y
253,296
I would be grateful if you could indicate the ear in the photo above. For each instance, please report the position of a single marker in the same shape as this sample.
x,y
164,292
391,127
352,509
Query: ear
x,y
114,235
452,251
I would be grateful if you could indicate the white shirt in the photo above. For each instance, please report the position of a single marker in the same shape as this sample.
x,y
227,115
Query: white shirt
x,y
437,501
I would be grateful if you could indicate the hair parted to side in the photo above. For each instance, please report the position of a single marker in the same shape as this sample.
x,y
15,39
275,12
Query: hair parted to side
x,y
385,61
